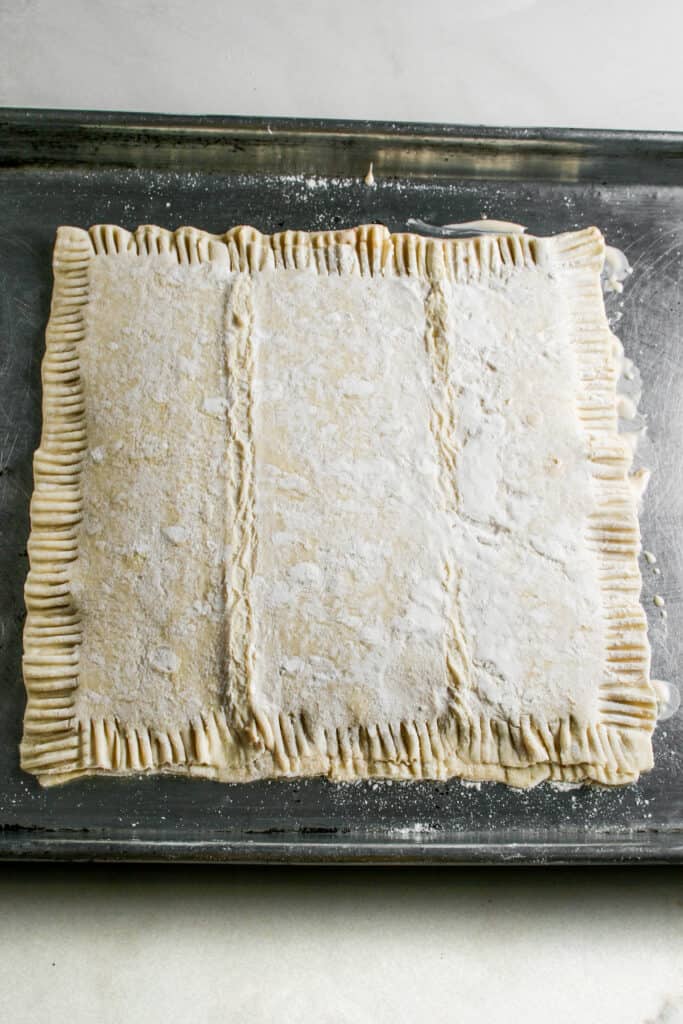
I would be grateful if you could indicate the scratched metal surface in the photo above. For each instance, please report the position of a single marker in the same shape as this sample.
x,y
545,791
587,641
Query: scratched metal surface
x,y
212,173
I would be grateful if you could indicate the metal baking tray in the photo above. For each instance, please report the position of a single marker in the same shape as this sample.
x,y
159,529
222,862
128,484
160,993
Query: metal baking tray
x,y
85,168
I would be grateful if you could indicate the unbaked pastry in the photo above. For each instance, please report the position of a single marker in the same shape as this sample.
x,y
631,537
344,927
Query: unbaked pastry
x,y
343,503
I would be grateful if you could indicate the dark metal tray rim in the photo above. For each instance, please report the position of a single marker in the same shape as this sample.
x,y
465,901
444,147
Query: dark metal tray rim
x,y
44,118
346,848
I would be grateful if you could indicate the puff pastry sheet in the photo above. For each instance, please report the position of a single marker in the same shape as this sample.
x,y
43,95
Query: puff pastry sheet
x,y
345,503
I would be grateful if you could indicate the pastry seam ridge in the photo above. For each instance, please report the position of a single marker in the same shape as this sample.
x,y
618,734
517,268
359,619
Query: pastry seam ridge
x,y
366,250
56,746
520,754
626,696
52,633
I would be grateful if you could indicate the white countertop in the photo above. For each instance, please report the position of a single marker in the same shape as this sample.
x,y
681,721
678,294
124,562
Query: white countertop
x,y
357,946
584,63
112,944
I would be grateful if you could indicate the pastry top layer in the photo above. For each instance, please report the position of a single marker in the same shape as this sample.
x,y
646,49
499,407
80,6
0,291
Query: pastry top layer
x,y
341,502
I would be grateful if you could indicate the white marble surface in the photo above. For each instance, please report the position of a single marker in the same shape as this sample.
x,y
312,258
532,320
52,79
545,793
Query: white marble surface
x,y
110,944
589,63
355,946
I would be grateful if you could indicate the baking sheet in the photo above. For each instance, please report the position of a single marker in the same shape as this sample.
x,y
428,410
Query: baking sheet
x,y
75,168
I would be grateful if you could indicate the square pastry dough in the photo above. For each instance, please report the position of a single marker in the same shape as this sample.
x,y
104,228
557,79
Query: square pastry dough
x,y
345,503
